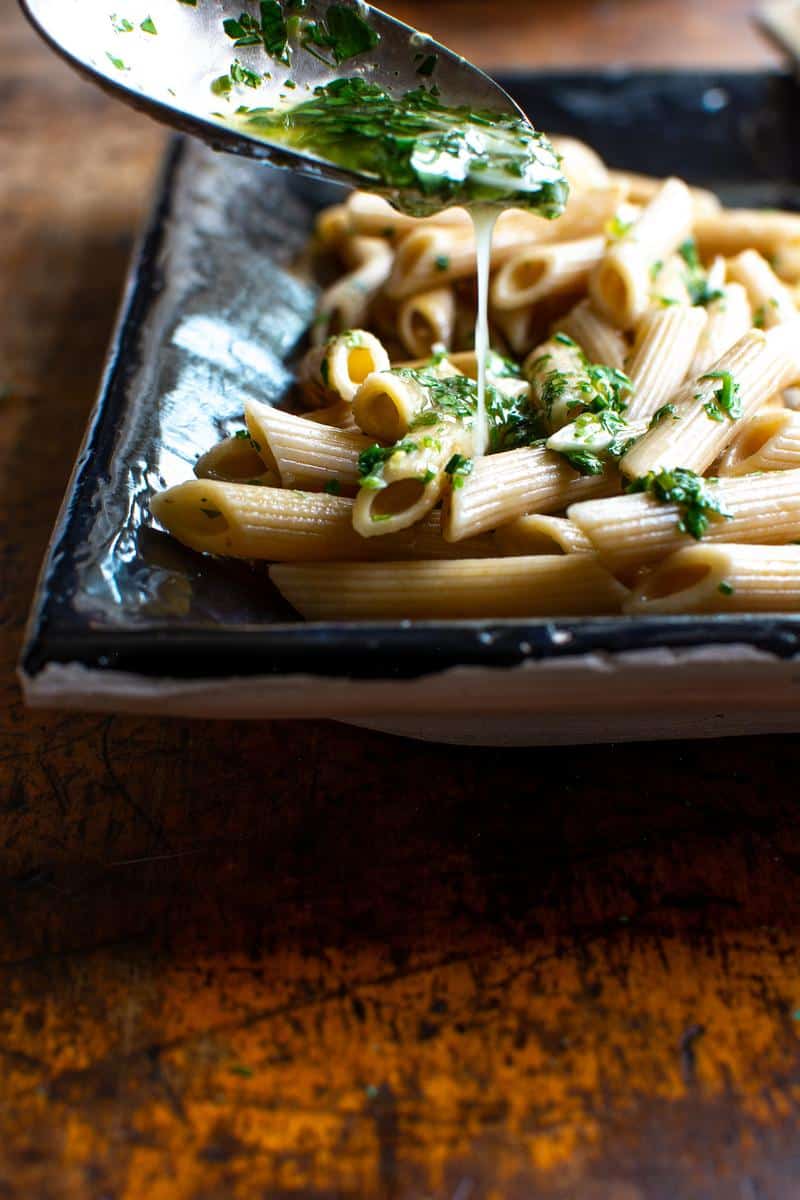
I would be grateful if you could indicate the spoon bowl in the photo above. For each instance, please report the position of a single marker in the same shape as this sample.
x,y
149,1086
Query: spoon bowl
x,y
167,57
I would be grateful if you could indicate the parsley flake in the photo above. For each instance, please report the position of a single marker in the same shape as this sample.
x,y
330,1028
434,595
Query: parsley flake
x,y
697,505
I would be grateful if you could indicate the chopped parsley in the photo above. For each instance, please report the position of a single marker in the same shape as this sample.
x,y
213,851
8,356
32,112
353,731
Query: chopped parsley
x,y
696,278
442,262
121,24
697,505
458,468
242,435
616,228
584,461
148,26
116,62
661,414
325,370
247,31
343,32
760,315
726,588
727,401
333,487
274,32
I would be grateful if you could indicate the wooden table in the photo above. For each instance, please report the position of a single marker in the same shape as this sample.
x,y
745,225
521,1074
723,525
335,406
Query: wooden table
x,y
301,960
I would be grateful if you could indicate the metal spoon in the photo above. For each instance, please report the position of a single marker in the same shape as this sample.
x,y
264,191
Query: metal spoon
x,y
169,73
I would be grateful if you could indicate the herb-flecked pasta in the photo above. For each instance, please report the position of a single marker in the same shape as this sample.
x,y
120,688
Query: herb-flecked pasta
x,y
628,443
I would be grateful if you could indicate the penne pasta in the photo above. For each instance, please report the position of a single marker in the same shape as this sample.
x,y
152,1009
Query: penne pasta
x,y
240,521
642,188
505,486
645,426
600,340
537,586
770,441
771,301
236,460
628,531
620,284
729,318
336,370
307,455
706,411
425,320
583,166
537,534
346,303
431,255
721,579
730,231
666,343
539,271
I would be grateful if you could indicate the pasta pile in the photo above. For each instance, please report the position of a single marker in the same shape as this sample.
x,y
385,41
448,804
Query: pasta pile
x,y
644,443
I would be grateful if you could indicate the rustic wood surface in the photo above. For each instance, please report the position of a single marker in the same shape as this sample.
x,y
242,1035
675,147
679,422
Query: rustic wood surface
x,y
302,960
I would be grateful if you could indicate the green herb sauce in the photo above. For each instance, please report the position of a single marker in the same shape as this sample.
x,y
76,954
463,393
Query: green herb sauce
x,y
417,151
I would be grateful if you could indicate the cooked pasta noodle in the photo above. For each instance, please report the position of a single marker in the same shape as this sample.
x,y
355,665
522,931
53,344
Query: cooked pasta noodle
x,y
538,586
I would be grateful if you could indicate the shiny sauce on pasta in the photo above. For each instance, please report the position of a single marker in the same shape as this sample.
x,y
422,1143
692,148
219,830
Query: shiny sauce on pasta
x,y
424,156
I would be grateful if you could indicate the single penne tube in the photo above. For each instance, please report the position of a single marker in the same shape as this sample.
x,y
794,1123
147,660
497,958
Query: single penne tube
x,y
730,231
582,165
279,525
632,530
729,318
769,441
431,255
386,404
344,305
721,579
519,328
338,415
336,370
411,478
620,285
664,347
538,534
556,372
534,586
307,455
425,320
785,261
642,188
236,460
771,301
502,487
539,271
600,340
706,411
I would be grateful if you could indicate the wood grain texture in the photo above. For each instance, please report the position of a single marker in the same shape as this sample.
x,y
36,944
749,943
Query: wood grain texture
x,y
303,960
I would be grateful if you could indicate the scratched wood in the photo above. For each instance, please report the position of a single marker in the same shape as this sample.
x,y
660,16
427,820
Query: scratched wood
x,y
302,960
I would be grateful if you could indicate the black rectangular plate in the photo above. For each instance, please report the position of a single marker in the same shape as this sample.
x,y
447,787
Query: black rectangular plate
x,y
214,310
